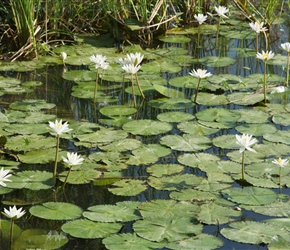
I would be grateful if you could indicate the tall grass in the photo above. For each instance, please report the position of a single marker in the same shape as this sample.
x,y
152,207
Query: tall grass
x,y
25,16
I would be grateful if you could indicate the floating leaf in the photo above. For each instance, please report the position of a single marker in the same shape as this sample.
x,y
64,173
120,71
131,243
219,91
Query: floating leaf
x,y
167,228
168,92
121,212
196,128
128,187
210,99
250,195
40,156
117,110
253,232
34,180
214,61
81,176
147,127
122,145
79,75
256,129
199,242
211,213
25,129
187,143
174,39
174,117
130,242
192,195
280,136
218,115
32,105
87,229
172,103
56,211
277,209
159,170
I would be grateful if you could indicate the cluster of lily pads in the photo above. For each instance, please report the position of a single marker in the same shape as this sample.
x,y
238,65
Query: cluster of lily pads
x,y
192,151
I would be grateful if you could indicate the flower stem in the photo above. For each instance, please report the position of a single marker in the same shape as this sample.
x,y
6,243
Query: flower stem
x,y
265,83
218,29
287,72
243,165
139,87
11,233
133,91
280,184
56,156
257,42
96,85
66,178
199,80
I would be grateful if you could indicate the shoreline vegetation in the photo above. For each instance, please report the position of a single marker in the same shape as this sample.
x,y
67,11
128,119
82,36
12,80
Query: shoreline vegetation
x,y
31,28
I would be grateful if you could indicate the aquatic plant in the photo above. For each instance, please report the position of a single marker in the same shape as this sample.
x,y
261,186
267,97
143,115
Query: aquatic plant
x,y
258,28
286,47
281,163
4,177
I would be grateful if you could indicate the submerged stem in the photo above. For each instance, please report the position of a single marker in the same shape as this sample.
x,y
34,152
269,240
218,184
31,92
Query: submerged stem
x,y
139,87
11,232
66,177
133,91
280,184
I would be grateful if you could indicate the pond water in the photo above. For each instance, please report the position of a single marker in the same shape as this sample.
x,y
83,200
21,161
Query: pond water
x,y
167,176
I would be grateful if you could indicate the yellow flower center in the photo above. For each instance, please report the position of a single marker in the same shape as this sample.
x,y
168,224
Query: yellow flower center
x,y
58,125
280,161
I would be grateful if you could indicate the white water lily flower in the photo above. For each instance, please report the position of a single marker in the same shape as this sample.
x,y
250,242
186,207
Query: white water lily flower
x,y
281,162
4,175
201,18
58,127
131,58
99,61
245,142
63,56
279,89
221,11
73,159
258,27
265,56
200,73
286,47
13,213
131,68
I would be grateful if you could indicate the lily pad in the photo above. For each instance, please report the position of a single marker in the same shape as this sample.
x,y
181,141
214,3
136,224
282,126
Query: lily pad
x,y
172,103
174,117
32,105
56,211
128,187
87,229
214,61
147,127
117,110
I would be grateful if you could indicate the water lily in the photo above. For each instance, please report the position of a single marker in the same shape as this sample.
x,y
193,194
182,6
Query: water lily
x,y
200,74
131,58
131,68
14,213
245,142
281,163
63,56
221,11
279,89
73,159
58,127
265,56
286,47
201,18
99,61
4,175
258,27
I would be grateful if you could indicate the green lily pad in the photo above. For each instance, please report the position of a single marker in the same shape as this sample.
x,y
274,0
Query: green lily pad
x,y
56,211
214,61
31,105
172,103
218,115
161,66
166,228
253,116
34,180
174,117
210,99
87,229
250,195
159,170
174,39
122,145
277,209
245,99
128,187
187,142
42,156
117,110
253,232
192,195
211,213
130,242
40,239
121,212
25,129
147,127
194,160
199,242
196,128
168,92
280,136
81,176
79,75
